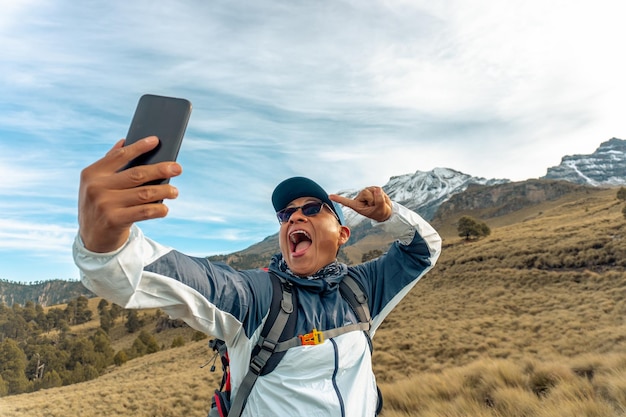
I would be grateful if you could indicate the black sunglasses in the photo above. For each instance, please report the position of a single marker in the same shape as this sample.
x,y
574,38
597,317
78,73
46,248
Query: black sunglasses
x,y
308,209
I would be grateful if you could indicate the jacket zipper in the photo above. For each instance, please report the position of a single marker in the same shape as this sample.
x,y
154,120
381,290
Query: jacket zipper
x,y
339,397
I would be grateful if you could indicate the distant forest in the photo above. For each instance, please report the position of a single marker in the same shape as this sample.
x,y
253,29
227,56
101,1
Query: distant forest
x,y
38,350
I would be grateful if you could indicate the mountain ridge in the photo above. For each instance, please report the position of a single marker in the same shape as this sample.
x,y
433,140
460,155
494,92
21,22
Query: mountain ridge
x,y
45,293
606,166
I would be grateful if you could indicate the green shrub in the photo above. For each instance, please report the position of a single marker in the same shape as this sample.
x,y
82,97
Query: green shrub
x,y
120,358
178,342
470,228
198,336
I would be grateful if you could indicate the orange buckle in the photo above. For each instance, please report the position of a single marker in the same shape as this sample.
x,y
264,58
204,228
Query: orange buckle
x,y
313,338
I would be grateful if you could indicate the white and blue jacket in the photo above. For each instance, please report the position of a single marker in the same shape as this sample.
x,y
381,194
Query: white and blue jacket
x,y
334,378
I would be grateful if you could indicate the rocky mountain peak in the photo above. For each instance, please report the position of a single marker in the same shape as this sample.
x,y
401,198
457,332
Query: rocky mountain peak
x,y
605,167
424,191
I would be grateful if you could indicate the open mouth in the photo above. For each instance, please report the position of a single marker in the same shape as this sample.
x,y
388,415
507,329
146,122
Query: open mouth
x,y
299,241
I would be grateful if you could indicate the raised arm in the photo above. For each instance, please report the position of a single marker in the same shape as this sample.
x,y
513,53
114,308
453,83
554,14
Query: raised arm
x,y
391,276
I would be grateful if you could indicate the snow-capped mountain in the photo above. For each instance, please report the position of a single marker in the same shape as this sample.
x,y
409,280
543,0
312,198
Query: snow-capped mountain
x,y
605,167
424,192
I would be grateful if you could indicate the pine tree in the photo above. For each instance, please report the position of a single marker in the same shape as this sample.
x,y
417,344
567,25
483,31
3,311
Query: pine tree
x,y
106,322
13,366
116,311
29,313
133,323
102,346
51,379
83,313
103,305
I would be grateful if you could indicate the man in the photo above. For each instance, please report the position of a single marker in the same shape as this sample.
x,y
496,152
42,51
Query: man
x,y
333,378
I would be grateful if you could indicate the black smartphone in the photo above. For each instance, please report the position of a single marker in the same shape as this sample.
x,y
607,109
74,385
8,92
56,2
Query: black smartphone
x,y
163,117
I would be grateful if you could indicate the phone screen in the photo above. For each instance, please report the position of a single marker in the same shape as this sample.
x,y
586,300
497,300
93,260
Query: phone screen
x,y
163,117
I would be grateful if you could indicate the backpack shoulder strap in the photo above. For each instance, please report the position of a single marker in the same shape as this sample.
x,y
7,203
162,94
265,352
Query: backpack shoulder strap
x,y
352,292
280,323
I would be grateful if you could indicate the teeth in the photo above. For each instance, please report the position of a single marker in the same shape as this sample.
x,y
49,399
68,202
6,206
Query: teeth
x,y
293,237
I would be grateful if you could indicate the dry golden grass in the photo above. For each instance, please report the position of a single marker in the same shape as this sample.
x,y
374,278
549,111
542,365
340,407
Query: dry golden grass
x,y
519,292
528,322
507,388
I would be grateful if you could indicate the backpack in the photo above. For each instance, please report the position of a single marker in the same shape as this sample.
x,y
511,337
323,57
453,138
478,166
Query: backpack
x,y
277,336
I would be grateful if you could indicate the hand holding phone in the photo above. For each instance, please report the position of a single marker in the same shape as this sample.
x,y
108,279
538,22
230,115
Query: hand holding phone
x,y
165,118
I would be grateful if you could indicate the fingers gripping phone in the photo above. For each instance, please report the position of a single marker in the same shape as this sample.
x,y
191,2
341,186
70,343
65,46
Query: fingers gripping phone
x,y
165,118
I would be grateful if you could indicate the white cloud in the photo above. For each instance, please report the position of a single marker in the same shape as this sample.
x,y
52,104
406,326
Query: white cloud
x,y
35,237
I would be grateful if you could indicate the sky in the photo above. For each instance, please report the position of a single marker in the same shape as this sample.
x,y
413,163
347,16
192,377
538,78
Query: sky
x,y
349,93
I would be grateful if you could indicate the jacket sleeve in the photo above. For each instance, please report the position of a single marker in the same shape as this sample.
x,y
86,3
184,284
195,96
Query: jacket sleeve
x,y
210,297
390,277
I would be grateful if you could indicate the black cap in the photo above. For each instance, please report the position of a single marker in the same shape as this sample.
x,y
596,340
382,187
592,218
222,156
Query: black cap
x,y
297,187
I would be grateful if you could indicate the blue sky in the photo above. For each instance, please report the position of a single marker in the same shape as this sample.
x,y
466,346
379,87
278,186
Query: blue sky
x,y
349,93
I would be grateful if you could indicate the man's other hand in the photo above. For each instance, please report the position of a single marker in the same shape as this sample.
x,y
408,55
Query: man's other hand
x,y
371,202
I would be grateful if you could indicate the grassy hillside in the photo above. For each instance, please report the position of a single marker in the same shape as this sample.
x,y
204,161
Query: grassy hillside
x,y
527,322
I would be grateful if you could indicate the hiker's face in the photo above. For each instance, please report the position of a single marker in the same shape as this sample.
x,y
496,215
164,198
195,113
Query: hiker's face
x,y
310,243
